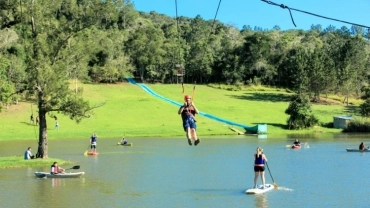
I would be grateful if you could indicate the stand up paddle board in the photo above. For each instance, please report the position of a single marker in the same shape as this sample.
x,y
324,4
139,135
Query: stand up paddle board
x,y
260,189
128,144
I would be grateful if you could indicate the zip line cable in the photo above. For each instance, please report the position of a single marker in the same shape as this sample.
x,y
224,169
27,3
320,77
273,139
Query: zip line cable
x,y
209,35
291,16
178,35
213,24
214,20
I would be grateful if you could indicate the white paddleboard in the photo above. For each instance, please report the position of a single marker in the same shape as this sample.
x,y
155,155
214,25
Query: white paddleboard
x,y
260,189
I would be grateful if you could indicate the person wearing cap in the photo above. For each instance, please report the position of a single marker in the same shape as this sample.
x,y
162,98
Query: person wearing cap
x,y
187,112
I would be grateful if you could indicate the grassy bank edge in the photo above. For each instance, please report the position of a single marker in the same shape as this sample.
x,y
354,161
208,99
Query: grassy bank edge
x,y
20,162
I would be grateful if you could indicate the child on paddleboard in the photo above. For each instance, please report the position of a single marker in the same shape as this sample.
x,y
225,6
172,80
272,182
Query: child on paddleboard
x,y
297,143
124,141
93,140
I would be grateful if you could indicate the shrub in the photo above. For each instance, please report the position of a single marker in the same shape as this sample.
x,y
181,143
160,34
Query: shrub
x,y
357,125
300,112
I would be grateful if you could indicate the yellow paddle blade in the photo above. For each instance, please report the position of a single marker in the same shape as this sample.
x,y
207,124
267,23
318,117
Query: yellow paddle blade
x,y
85,153
275,185
288,145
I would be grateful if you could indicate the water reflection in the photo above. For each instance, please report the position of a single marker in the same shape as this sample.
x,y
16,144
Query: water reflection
x,y
262,136
260,200
55,182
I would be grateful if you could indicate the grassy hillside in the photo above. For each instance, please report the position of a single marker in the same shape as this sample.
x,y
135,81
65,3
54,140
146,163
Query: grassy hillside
x,y
131,111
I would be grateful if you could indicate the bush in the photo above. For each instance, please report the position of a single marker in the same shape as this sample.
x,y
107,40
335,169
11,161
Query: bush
x,y
365,108
357,125
300,112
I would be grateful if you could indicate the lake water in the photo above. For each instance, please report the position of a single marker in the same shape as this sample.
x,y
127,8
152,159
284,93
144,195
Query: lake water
x,y
170,173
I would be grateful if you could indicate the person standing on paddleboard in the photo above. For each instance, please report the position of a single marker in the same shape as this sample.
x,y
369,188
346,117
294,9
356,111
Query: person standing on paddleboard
x,y
93,140
259,166
188,111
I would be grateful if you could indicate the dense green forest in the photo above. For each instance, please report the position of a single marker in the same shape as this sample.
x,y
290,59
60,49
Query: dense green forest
x,y
103,42
45,44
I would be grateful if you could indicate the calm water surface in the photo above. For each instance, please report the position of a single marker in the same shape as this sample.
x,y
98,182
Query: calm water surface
x,y
169,173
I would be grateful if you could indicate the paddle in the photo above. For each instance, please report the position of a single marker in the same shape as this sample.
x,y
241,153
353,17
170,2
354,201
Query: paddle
x,y
74,167
275,185
85,153
41,176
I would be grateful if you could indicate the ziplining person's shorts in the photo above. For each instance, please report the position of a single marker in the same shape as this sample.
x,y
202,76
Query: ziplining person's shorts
x,y
189,122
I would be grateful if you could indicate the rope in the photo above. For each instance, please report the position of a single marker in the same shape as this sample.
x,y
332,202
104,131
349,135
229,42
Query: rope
x,y
214,20
213,24
178,28
291,16
209,35
178,33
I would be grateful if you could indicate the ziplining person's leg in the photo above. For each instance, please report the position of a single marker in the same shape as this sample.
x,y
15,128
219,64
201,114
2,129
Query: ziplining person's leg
x,y
187,131
193,128
188,135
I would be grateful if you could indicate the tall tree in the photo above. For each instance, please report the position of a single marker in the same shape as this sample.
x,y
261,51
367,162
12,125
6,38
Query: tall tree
x,y
5,87
320,72
295,70
352,70
145,46
50,25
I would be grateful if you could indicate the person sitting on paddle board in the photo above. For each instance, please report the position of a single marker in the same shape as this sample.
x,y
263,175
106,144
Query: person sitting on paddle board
x,y
297,143
55,169
124,141
259,166
188,111
93,140
362,146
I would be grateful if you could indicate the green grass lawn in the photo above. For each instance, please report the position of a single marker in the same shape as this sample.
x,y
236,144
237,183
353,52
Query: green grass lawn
x,y
18,161
132,112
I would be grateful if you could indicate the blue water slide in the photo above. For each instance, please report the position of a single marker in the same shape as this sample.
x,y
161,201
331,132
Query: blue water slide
x,y
259,128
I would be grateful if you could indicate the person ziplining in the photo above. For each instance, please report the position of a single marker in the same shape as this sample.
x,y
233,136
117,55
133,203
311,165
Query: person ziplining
x,y
187,112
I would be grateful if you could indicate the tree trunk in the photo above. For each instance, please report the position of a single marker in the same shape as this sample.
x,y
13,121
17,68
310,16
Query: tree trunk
x,y
42,150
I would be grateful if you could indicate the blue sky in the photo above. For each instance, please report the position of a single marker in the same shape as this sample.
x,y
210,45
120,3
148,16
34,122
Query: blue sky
x,y
259,13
